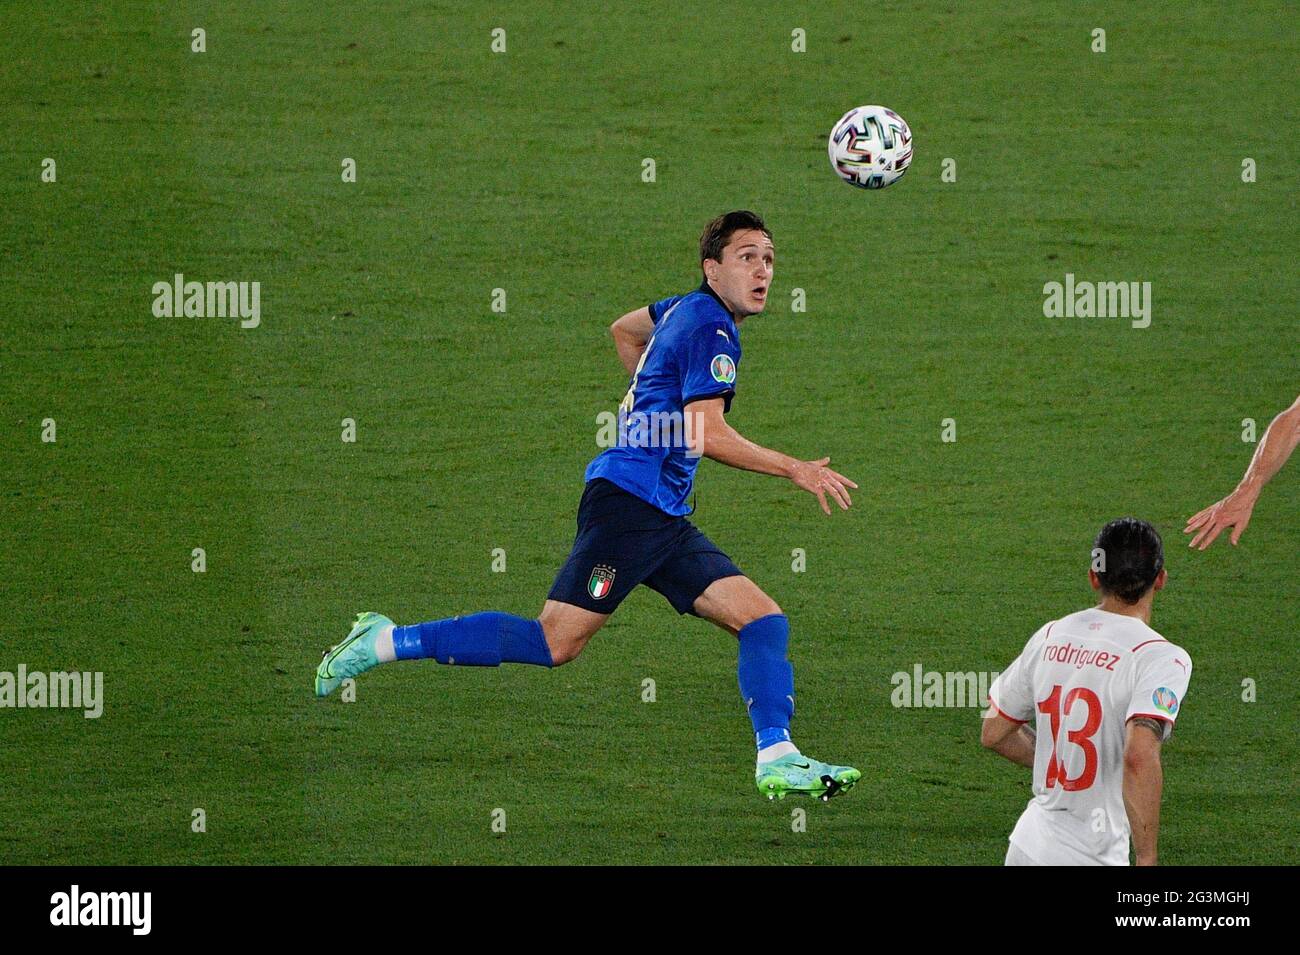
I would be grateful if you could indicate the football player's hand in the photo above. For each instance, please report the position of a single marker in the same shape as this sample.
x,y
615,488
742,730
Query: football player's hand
x,y
816,478
1233,511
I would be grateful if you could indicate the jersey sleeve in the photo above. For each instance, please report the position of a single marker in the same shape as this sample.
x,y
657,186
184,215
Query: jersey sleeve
x,y
707,360
1160,683
657,309
1012,693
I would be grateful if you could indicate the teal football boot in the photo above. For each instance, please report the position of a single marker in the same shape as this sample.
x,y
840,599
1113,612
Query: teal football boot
x,y
797,773
355,655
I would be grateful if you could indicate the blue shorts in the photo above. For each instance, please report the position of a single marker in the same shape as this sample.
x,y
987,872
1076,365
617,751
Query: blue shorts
x,y
622,541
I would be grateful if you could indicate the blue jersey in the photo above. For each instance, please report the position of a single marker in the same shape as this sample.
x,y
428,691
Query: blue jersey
x,y
693,353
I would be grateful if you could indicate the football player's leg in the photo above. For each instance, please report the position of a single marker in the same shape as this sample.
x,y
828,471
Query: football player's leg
x,y
557,635
766,680
766,677
619,540
480,639
586,590
568,628
700,579
486,639
733,603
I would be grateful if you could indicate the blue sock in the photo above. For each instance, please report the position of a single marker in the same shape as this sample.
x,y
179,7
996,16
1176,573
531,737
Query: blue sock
x,y
767,678
479,640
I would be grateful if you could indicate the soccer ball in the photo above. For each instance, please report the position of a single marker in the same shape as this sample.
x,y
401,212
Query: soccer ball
x,y
870,147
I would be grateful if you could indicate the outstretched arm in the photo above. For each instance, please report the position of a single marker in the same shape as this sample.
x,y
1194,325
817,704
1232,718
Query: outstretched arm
x,y
1234,511
712,437
631,333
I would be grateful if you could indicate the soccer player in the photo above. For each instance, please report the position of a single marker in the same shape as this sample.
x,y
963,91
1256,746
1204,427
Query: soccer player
x,y
1233,511
682,353
1103,689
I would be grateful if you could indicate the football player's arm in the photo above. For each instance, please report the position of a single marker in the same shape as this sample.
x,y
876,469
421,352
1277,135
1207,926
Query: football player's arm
x,y
631,333
712,437
1143,781
1007,738
1234,511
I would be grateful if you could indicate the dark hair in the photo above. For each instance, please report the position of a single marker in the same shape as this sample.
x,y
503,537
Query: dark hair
x,y
1132,555
719,230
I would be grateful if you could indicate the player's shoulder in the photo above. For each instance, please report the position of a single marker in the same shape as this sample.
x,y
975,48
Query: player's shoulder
x,y
1151,649
665,306
702,306
1160,649
698,313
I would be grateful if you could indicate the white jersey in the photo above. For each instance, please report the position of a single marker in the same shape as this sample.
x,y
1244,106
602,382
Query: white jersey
x,y
1081,679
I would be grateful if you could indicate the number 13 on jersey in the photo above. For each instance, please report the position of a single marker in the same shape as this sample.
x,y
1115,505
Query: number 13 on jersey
x,y
1078,698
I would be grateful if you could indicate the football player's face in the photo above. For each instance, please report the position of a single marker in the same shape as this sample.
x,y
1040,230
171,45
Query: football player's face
x,y
744,275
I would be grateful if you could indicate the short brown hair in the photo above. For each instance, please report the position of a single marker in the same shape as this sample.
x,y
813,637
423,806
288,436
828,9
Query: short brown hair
x,y
719,230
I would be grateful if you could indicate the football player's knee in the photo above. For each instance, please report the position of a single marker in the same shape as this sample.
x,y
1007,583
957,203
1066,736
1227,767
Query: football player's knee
x,y
564,644
564,651
764,606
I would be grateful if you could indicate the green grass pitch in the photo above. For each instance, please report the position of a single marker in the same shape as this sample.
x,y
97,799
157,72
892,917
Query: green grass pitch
x,y
522,170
